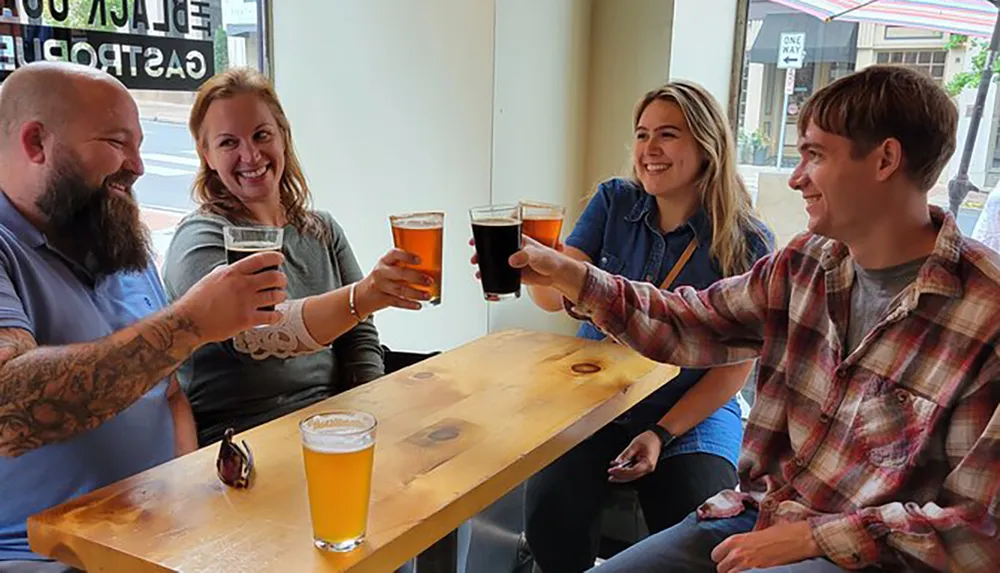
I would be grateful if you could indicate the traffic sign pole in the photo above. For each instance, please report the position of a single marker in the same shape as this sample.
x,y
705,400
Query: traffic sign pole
x,y
789,73
791,56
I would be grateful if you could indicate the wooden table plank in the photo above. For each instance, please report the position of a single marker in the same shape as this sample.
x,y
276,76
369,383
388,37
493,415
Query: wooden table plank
x,y
456,432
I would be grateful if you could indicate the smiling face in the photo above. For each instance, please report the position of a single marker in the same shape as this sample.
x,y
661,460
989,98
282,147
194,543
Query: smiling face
x,y
241,141
843,190
665,155
90,172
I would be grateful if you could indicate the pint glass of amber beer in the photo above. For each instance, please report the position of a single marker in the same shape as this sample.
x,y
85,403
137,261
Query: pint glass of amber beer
x,y
339,448
423,235
542,222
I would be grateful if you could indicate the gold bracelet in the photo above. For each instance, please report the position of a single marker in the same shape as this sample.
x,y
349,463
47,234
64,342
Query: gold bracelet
x,y
350,301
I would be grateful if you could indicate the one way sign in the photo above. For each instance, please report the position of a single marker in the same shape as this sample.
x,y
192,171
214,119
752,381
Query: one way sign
x,y
791,50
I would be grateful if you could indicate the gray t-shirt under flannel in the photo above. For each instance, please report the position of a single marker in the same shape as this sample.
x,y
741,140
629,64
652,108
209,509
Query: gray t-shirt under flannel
x,y
871,294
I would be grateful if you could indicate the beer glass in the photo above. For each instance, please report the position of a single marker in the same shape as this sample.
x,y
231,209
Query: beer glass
x,y
542,222
338,449
241,242
497,232
423,235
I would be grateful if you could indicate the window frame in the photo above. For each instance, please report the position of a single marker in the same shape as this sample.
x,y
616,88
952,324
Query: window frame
x,y
736,68
265,16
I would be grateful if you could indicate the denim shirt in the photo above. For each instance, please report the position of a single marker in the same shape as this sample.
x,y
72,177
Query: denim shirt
x,y
619,230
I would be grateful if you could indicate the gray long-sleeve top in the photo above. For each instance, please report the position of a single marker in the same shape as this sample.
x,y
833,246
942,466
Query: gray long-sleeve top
x,y
229,388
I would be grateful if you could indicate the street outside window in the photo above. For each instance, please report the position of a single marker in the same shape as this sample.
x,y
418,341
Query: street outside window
x,y
792,51
162,50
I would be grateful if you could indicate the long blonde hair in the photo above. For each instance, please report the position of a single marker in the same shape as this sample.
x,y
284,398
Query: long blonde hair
x,y
723,193
209,191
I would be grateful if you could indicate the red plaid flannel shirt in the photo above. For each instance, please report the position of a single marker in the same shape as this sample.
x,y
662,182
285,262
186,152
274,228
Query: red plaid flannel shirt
x,y
891,453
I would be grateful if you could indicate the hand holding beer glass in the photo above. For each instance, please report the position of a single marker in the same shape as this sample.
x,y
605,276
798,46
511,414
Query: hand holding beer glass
x,y
496,232
422,234
241,242
338,450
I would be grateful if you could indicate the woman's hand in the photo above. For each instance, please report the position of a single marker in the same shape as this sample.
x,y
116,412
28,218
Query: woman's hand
x,y
638,459
390,284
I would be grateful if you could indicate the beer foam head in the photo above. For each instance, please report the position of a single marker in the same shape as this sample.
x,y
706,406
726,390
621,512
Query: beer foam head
x,y
428,220
418,224
497,222
338,432
252,246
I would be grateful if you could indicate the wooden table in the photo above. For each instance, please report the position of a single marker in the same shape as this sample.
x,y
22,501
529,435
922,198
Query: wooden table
x,y
456,432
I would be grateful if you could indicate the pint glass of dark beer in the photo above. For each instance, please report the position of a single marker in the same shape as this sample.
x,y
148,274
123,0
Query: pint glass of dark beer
x,y
241,242
497,232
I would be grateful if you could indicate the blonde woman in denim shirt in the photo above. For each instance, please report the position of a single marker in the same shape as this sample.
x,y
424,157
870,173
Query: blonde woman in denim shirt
x,y
682,441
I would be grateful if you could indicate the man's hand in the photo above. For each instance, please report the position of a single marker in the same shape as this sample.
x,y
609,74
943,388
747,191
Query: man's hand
x,y
229,299
780,544
638,459
547,267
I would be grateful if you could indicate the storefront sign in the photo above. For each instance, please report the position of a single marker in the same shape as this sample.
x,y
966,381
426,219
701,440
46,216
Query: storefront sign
x,y
141,61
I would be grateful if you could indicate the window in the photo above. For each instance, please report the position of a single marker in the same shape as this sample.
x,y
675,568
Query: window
x,y
931,63
833,50
162,50
904,33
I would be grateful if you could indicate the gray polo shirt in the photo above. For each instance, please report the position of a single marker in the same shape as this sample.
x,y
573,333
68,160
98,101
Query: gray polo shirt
x,y
60,302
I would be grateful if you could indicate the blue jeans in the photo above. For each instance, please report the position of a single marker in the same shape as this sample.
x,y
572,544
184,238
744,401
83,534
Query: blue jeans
x,y
687,547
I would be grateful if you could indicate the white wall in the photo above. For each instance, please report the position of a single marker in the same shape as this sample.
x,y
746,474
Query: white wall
x,y
391,103
702,46
540,71
446,104
630,47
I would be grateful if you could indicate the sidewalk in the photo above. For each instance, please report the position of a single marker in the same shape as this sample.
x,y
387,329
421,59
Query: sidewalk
x,y
161,225
164,111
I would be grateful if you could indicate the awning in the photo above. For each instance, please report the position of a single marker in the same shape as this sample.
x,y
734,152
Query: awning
x,y
825,42
970,17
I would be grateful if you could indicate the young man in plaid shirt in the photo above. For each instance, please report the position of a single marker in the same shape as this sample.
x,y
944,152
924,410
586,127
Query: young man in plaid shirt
x,y
875,438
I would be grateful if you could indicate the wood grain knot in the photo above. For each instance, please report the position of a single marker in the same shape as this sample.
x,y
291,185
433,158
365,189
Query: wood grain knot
x,y
585,368
443,434
423,375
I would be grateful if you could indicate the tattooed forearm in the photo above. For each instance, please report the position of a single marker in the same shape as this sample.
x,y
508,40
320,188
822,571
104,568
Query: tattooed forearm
x,y
49,394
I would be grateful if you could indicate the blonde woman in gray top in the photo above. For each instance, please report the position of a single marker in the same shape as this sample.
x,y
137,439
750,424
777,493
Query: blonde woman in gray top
x,y
326,342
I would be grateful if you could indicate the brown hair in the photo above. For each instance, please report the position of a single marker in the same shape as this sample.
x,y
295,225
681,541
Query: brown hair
x,y
883,102
723,193
211,193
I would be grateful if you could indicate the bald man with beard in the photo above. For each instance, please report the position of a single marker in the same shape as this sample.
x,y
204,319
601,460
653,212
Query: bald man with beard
x,y
88,344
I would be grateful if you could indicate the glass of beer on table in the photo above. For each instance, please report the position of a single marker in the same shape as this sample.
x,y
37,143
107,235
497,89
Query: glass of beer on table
x,y
542,222
241,242
422,234
338,448
496,230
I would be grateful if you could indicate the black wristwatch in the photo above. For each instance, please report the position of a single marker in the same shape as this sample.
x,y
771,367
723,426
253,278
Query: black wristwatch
x,y
665,436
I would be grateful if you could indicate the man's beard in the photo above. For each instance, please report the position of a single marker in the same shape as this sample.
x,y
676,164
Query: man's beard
x,y
105,224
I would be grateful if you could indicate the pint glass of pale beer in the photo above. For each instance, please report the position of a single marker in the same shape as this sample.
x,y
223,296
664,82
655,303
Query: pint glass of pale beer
x,y
542,222
339,448
496,230
423,235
